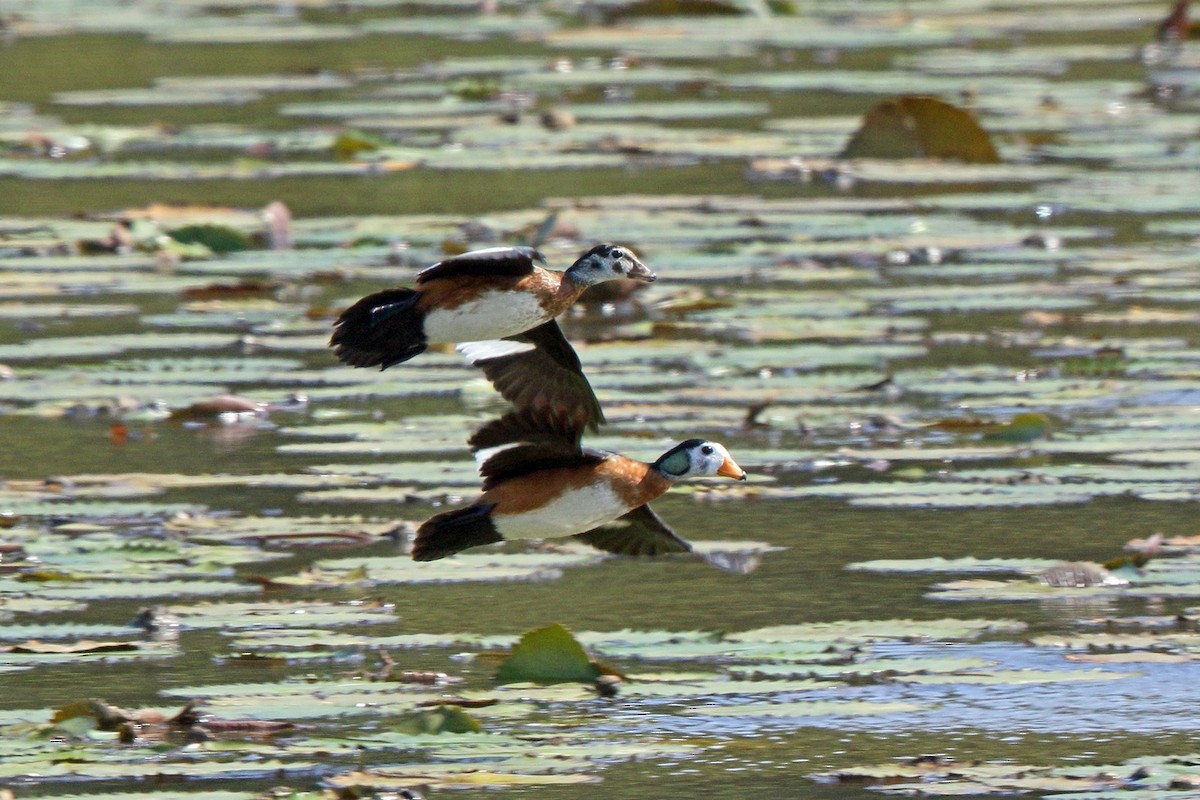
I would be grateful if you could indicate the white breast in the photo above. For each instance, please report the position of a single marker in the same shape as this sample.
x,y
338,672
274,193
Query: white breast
x,y
492,315
572,512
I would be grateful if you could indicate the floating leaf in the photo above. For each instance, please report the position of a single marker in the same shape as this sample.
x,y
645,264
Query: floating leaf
x,y
967,564
81,646
443,776
279,614
662,8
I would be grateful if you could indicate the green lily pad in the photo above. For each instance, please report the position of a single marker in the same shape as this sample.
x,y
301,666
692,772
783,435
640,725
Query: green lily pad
x,y
548,655
1016,677
971,564
279,614
450,777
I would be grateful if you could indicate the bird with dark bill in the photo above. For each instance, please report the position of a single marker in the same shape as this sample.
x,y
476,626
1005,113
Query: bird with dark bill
x,y
497,293
538,482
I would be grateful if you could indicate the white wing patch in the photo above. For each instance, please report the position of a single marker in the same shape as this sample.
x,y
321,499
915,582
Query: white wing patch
x,y
493,348
482,456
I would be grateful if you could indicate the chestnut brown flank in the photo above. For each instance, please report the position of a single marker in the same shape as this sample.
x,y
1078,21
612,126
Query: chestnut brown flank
x,y
634,482
553,293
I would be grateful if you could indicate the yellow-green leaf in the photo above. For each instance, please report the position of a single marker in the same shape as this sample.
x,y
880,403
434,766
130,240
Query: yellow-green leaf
x,y
548,655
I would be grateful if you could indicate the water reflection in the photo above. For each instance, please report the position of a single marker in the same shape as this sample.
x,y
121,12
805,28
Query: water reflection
x,y
1067,610
230,431
1023,689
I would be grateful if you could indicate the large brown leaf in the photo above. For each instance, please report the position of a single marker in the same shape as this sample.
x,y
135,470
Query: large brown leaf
x,y
921,127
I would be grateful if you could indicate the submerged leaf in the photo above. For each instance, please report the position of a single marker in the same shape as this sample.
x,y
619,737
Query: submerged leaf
x,y
440,719
1025,427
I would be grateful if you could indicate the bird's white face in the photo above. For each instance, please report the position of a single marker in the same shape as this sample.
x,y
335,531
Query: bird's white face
x,y
710,458
606,262
699,458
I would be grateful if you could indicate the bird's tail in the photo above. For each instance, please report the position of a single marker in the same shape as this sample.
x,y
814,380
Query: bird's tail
x,y
451,531
380,330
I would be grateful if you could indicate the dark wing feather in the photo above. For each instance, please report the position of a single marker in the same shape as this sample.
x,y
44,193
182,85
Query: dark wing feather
x,y
547,378
531,441
513,462
529,426
380,330
514,261
641,532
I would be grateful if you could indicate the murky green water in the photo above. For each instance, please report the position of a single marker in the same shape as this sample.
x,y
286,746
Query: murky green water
x,y
1064,282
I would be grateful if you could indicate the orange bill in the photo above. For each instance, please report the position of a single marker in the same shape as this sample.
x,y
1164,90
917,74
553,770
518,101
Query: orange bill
x,y
730,469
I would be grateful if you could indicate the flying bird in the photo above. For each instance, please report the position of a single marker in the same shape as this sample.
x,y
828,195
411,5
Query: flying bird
x,y
497,293
539,482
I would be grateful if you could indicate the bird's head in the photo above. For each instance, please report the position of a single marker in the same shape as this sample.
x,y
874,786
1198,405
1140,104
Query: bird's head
x,y
608,262
698,458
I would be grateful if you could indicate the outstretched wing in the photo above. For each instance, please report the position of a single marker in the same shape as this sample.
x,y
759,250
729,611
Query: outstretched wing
x,y
527,440
514,261
539,370
641,532
529,426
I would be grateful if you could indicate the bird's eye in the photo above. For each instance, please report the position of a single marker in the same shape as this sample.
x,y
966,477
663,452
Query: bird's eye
x,y
616,253
707,450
